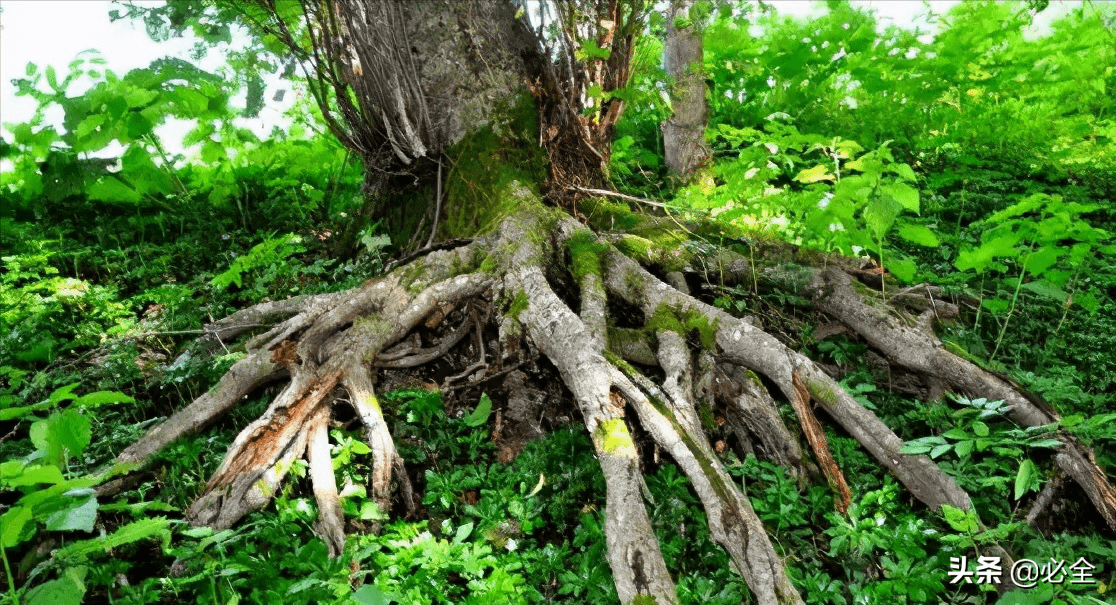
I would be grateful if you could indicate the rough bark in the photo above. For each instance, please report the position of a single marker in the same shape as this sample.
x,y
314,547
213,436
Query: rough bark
x,y
684,133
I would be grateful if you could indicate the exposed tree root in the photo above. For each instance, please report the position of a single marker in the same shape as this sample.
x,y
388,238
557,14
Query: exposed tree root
x,y
324,342
918,349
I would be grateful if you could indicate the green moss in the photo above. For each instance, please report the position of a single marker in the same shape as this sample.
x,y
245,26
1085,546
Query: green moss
x,y
493,171
705,412
372,326
618,363
715,481
605,215
374,403
668,319
518,305
488,265
661,249
585,255
822,392
614,438
645,599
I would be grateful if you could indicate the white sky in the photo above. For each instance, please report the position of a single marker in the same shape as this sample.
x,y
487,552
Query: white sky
x,y
54,32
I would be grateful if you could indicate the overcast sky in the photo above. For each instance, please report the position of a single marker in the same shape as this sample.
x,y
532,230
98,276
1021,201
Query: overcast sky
x,y
54,32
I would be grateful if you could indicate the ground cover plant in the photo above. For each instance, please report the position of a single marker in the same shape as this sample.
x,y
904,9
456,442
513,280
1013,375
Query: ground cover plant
x,y
535,341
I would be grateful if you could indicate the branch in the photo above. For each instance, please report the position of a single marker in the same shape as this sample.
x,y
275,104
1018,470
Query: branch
x,y
623,196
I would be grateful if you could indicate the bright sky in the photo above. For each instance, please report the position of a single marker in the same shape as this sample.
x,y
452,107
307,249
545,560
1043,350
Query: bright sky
x,y
54,32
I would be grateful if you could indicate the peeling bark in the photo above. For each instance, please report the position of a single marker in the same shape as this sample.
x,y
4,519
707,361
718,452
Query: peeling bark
x,y
322,342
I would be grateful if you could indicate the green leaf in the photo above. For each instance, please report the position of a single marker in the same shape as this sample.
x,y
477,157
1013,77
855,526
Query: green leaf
x,y
906,195
981,257
80,515
369,595
1088,301
903,268
1024,477
1042,259
137,530
212,152
814,175
88,125
960,520
11,525
1046,289
903,170
52,78
939,450
100,398
879,215
66,590
479,416
463,532
62,435
980,429
109,189
918,234
29,475
138,97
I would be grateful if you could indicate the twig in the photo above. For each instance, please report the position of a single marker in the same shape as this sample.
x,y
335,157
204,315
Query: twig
x,y
11,433
446,245
486,378
469,370
400,359
623,196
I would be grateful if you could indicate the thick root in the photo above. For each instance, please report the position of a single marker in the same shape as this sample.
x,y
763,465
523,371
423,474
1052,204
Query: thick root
x,y
732,521
633,552
322,342
919,350
384,455
331,523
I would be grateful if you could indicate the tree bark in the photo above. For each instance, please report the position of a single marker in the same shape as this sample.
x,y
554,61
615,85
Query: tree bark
x,y
684,133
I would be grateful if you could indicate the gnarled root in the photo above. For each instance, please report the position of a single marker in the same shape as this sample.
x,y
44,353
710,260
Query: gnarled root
x,y
916,348
329,341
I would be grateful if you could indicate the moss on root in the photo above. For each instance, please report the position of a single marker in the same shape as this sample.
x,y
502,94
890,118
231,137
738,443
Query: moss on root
x,y
518,305
614,438
663,251
669,319
585,255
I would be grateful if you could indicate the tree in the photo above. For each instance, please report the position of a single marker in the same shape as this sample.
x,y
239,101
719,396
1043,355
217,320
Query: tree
x,y
684,133
607,304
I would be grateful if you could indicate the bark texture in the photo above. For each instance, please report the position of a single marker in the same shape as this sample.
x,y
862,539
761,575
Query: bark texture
x,y
684,133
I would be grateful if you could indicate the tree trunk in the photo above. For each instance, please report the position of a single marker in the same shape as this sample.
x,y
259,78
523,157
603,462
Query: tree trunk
x,y
684,133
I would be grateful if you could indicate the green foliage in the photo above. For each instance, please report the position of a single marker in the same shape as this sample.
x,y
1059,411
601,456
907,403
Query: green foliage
x,y
265,260
48,497
974,436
